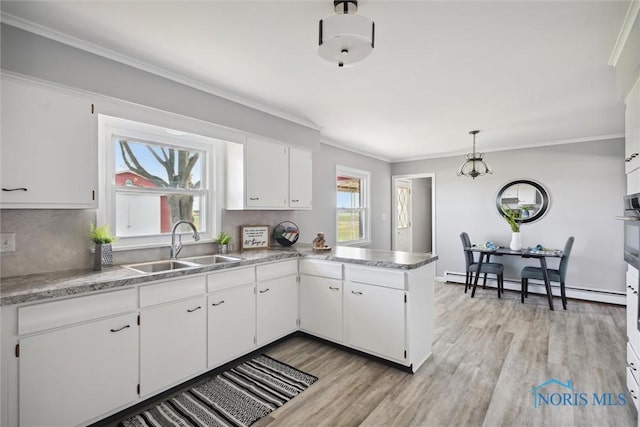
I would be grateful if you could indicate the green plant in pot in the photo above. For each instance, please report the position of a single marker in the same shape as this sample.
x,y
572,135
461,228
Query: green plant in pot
x,y
512,216
223,241
102,237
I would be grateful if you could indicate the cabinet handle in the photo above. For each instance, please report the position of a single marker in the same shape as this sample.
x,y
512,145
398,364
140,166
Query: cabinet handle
x,y
627,160
356,293
266,290
119,329
295,200
635,292
254,198
15,189
634,155
217,303
334,289
632,366
633,393
194,309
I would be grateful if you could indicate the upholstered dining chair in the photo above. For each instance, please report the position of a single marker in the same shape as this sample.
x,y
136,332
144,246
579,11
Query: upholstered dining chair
x,y
487,267
558,275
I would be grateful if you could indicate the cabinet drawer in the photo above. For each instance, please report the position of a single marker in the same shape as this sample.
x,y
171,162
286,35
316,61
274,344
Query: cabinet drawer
x,y
171,291
376,276
278,269
230,278
632,386
633,362
328,269
38,317
632,277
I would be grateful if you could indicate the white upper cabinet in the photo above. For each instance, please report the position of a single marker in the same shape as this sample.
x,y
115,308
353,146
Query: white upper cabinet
x,y
267,184
263,174
49,148
300,178
632,130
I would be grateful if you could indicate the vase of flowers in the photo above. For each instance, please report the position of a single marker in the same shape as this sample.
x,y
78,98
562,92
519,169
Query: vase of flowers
x,y
103,254
512,216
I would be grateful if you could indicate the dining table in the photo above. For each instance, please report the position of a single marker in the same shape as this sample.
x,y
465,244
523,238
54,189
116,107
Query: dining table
x,y
541,255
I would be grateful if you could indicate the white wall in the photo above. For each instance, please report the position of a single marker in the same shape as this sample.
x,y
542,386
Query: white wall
x,y
586,183
421,214
323,216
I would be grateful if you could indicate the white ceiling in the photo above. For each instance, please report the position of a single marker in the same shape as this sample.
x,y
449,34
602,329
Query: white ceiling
x,y
524,72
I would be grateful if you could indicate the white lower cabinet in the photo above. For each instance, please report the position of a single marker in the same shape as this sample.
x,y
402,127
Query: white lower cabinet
x,y
375,320
73,375
321,307
83,358
277,308
232,324
172,343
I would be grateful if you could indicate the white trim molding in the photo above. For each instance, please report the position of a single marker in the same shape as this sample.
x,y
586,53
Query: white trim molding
x,y
537,287
625,30
66,39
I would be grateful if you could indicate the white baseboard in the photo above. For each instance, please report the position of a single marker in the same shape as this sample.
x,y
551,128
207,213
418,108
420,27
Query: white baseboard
x,y
537,287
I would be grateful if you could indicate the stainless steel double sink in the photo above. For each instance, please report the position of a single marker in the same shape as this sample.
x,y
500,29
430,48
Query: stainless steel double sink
x,y
181,264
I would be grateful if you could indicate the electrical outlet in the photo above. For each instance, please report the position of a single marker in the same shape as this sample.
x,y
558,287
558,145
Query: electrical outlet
x,y
7,242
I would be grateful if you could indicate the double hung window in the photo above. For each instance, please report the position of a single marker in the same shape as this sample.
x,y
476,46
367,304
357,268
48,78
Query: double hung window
x,y
352,213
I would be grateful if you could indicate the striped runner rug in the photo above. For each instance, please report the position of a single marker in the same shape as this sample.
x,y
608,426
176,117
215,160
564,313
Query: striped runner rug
x,y
237,397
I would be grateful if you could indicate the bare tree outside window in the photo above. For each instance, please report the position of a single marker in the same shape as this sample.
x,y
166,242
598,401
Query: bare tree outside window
x,y
150,167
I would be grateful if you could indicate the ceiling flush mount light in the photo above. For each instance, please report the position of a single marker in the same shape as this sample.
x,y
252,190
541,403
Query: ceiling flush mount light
x,y
474,165
346,38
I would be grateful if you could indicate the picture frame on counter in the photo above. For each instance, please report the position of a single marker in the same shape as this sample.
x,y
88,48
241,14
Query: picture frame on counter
x,y
254,237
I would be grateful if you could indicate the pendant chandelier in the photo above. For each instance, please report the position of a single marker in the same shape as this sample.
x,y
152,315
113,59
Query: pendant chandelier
x,y
474,165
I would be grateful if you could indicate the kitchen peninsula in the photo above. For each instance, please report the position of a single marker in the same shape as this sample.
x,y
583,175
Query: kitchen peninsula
x,y
107,335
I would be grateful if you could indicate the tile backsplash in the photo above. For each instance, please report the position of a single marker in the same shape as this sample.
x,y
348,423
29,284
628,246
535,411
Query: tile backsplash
x,y
50,240
46,240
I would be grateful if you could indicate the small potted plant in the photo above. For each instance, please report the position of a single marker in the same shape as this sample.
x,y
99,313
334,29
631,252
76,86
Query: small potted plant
x,y
512,216
102,237
223,241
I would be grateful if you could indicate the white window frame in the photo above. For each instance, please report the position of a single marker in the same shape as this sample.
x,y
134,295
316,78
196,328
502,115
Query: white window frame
x,y
365,178
112,127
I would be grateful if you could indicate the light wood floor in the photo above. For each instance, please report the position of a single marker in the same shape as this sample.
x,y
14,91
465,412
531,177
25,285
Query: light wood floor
x,y
488,354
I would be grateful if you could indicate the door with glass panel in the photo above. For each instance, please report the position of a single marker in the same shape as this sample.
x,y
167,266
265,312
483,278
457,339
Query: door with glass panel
x,y
403,230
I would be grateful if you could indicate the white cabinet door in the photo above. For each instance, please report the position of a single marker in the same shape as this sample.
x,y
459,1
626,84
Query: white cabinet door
x,y
267,174
632,313
321,307
172,343
632,129
73,375
375,320
300,178
277,304
232,324
49,148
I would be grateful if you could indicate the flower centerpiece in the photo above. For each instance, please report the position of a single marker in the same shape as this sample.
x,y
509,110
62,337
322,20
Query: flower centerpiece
x,y
512,216
102,238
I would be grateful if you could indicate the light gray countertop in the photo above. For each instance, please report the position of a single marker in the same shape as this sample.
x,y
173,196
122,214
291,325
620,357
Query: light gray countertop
x,y
34,287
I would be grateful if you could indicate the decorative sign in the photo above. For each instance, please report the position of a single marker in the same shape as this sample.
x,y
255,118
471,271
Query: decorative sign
x,y
254,237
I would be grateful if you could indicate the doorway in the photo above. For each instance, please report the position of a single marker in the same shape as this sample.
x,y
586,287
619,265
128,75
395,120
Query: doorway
x,y
413,213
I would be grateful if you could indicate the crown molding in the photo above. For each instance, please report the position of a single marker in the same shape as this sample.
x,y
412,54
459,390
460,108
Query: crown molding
x,y
515,147
341,146
86,46
625,31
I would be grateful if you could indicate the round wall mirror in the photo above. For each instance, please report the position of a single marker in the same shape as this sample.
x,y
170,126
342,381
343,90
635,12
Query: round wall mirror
x,y
528,198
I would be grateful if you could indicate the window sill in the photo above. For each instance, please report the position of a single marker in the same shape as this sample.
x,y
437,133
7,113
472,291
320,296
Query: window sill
x,y
354,243
119,246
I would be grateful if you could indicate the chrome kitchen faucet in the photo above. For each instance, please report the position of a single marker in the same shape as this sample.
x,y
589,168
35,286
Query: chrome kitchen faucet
x,y
175,248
